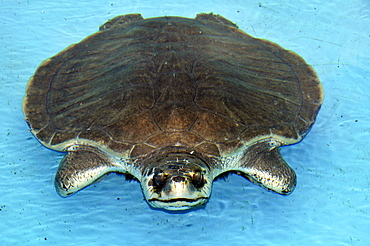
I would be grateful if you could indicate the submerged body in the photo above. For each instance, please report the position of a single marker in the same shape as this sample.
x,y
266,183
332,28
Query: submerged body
x,y
174,102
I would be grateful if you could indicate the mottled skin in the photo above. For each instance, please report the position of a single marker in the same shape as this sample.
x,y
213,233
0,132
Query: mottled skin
x,y
174,102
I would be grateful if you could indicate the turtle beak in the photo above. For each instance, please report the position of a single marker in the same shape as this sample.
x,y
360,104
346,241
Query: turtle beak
x,y
179,193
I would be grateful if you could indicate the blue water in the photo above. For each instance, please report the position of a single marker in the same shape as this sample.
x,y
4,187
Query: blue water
x,y
331,203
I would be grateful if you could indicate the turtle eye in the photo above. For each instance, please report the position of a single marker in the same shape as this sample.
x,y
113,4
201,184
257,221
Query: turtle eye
x,y
198,179
159,180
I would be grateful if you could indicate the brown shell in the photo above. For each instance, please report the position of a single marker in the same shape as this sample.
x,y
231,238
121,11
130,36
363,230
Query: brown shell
x,y
138,85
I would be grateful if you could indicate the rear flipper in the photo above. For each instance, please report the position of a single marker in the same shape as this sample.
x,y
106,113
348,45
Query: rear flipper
x,y
264,165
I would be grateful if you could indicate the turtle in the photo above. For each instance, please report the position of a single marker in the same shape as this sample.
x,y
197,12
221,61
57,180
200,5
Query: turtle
x,y
173,103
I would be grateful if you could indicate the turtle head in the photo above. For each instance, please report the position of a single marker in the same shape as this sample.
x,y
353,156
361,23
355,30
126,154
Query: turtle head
x,y
177,182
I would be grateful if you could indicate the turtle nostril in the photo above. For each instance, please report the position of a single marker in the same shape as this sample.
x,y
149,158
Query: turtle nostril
x,y
178,179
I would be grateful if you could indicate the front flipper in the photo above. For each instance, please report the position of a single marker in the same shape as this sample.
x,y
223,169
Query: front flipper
x,y
82,166
263,165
